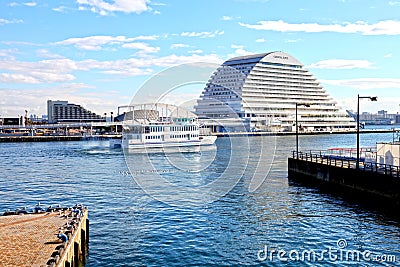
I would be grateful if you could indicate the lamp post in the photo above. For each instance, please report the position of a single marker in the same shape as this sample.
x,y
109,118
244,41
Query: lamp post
x,y
372,98
297,128
111,121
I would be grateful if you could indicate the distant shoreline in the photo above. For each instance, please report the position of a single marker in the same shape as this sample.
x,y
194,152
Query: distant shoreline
x,y
362,131
16,139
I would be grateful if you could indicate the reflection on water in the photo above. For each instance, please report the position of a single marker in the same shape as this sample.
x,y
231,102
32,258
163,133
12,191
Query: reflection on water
x,y
132,228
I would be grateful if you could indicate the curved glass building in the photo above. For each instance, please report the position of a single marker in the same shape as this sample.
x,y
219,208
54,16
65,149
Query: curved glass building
x,y
263,91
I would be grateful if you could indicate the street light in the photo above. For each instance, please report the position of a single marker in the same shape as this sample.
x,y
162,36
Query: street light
x,y
372,98
297,128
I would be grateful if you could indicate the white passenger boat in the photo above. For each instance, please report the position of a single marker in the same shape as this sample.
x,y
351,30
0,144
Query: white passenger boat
x,y
158,127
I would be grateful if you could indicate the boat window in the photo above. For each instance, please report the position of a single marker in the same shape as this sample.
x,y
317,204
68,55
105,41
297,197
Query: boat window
x,y
147,129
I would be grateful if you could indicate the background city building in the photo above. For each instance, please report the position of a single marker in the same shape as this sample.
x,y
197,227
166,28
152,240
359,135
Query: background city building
x,y
381,118
63,112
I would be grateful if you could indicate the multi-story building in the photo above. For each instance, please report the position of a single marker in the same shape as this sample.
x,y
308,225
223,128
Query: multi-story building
x,y
64,112
381,118
263,92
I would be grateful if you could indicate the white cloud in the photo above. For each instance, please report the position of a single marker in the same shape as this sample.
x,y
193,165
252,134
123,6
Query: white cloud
x,y
35,77
202,34
197,51
45,71
173,60
143,47
342,64
365,83
62,70
237,46
239,51
8,53
60,9
44,53
260,40
174,46
387,27
226,18
394,3
15,43
31,4
6,21
158,4
104,8
92,42
97,42
128,72
145,38
34,99
388,56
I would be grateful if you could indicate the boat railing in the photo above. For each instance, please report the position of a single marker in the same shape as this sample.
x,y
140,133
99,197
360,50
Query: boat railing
x,y
347,162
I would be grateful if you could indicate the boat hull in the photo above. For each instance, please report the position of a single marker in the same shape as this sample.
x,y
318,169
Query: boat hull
x,y
203,141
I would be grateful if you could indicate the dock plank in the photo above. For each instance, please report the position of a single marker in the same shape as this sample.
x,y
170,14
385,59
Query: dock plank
x,y
29,239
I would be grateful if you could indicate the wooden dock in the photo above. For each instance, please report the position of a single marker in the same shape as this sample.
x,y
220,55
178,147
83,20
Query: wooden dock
x,y
263,133
38,238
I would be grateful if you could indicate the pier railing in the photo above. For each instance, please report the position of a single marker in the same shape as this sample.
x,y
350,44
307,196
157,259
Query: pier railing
x,y
347,162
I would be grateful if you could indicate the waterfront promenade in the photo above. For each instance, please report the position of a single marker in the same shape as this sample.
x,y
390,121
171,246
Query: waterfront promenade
x,y
30,239
260,133
51,138
37,138
371,182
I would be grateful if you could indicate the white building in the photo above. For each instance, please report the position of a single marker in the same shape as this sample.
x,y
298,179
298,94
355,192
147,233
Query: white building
x,y
388,153
63,112
261,91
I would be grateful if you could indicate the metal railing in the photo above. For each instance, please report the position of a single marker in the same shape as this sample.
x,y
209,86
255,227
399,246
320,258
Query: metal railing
x,y
346,162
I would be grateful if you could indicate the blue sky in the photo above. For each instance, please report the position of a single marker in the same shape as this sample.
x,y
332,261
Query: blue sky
x,y
99,52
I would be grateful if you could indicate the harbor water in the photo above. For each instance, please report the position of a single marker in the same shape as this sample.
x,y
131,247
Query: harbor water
x,y
137,223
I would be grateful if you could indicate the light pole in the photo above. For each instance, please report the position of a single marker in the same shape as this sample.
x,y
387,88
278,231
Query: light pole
x,y
111,121
297,128
372,98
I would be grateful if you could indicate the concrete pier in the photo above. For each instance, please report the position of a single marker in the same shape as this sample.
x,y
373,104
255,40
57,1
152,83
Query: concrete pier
x,y
262,133
372,182
46,237
8,139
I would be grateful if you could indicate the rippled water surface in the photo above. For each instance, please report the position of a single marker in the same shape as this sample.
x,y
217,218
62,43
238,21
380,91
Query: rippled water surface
x,y
179,224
